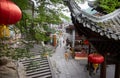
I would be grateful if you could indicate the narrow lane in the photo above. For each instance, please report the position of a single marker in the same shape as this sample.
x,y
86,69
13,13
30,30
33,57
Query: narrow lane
x,y
67,69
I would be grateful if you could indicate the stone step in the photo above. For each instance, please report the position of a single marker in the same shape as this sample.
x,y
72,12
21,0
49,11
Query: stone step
x,y
37,75
39,69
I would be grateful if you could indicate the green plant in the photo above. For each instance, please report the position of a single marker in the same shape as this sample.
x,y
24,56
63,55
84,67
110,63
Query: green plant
x,y
109,6
46,51
27,26
7,50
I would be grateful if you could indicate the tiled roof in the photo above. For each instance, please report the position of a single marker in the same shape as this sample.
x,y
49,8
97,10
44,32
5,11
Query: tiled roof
x,y
106,25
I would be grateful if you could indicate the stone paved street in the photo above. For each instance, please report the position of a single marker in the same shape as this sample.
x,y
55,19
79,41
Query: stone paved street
x,y
72,68
67,69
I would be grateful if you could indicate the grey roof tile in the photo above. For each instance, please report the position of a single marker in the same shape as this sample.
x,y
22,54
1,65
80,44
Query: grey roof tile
x,y
108,25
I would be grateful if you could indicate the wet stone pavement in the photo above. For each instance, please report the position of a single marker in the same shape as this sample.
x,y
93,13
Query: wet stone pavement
x,y
73,68
60,68
67,69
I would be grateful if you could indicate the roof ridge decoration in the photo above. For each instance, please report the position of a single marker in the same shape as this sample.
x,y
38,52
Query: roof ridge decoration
x,y
108,25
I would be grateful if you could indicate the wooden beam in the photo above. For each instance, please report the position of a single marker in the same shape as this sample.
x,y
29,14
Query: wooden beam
x,y
103,68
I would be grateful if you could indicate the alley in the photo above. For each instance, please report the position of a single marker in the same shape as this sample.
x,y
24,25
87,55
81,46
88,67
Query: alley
x,y
67,69
73,68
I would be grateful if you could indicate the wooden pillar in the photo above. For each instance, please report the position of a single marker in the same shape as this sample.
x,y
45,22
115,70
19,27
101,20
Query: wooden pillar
x,y
54,40
103,68
117,70
73,43
73,38
88,61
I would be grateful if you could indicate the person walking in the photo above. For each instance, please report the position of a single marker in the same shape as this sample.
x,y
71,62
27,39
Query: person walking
x,y
61,41
67,52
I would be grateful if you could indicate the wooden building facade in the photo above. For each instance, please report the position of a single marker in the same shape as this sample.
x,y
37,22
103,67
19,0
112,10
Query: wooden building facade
x,y
103,33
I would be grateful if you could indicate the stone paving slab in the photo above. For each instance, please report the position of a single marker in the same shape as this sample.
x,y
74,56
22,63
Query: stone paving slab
x,y
67,69
73,68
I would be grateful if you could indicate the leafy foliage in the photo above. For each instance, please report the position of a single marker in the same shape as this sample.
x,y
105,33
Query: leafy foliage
x,y
23,4
40,36
109,5
47,13
65,17
14,53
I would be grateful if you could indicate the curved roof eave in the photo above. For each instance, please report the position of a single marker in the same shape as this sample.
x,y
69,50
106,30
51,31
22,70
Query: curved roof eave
x,y
109,24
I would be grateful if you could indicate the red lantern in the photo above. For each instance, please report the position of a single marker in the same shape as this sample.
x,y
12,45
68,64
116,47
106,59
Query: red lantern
x,y
86,42
9,12
95,58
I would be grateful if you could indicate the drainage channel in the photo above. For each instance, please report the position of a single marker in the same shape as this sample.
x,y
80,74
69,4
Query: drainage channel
x,y
37,67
